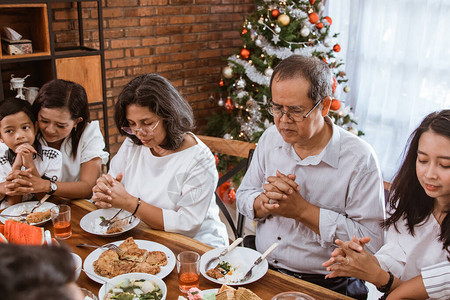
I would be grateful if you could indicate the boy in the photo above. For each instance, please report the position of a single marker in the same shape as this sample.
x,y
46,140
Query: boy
x,y
21,151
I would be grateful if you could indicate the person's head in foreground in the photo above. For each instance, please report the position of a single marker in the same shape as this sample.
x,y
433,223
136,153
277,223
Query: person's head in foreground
x,y
37,273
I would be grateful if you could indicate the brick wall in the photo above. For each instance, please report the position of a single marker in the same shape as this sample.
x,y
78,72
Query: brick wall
x,y
182,40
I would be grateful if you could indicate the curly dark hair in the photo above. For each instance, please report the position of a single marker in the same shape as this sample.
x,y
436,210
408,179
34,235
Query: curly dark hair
x,y
158,94
61,93
408,199
35,272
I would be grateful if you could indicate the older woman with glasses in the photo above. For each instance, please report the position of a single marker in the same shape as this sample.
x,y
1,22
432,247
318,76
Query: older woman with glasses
x,y
162,173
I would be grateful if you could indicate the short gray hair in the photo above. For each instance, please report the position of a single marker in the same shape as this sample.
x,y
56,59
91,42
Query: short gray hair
x,y
310,68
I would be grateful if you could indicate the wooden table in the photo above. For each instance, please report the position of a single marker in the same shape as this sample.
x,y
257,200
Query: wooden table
x,y
269,285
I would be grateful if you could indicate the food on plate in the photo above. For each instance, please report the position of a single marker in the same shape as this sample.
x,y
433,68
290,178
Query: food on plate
x,y
37,217
196,294
114,228
225,272
131,259
20,233
228,293
135,289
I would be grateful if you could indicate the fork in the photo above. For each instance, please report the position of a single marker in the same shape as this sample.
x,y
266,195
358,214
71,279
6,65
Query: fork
x,y
216,258
14,216
115,221
106,222
40,202
258,261
107,246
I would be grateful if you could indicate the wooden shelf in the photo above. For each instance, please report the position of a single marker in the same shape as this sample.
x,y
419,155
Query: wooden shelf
x,y
31,21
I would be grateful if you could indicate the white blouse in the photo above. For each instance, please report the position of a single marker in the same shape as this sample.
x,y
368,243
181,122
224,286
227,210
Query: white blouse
x,y
405,255
182,184
91,145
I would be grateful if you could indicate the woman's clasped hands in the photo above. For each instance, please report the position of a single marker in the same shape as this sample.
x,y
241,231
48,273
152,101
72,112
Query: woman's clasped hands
x,y
109,192
352,260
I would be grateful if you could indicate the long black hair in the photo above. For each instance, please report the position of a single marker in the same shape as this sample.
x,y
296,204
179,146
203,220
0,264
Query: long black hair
x,y
61,93
408,198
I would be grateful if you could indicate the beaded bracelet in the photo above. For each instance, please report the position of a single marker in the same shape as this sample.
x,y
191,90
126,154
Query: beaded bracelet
x,y
137,206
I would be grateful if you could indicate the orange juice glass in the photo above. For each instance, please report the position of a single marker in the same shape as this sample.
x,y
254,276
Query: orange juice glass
x,y
188,267
61,221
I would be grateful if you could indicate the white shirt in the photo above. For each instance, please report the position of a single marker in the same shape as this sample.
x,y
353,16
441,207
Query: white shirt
x,y
344,181
182,184
405,255
90,146
436,279
48,163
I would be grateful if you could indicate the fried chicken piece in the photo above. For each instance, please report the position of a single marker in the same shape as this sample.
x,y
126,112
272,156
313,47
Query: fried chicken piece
x,y
38,216
158,258
215,273
104,265
134,254
128,244
145,267
122,267
114,230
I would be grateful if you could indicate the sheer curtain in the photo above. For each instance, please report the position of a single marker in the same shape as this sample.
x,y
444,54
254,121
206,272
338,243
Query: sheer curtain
x,y
397,58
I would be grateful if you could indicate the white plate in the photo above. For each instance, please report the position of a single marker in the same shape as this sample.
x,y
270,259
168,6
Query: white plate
x,y
23,207
241,259
87,223
120,278
88,264
210,292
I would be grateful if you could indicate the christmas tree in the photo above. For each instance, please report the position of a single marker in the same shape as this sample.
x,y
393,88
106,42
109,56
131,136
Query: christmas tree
x,y
276,30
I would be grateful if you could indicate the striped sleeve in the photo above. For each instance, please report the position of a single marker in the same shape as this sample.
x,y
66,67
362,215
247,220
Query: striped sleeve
x,y
436,279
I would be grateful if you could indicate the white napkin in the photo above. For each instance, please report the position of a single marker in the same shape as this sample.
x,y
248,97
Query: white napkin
x,y
11,34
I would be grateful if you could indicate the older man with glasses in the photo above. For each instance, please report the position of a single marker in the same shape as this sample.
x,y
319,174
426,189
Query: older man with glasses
x,y
311,182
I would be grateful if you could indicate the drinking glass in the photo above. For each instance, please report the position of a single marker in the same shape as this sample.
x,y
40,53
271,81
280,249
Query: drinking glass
x,y
292,296
61,221
188,267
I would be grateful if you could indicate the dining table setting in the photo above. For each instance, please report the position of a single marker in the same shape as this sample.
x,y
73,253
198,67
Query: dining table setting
x,y
183,256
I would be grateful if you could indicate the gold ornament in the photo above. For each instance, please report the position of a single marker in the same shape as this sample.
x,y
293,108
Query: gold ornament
x,y
284,19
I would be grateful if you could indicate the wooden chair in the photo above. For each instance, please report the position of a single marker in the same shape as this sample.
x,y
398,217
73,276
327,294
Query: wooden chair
x,y
232,148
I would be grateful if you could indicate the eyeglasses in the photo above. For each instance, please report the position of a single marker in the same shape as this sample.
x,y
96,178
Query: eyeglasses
x,y
295,114
146,129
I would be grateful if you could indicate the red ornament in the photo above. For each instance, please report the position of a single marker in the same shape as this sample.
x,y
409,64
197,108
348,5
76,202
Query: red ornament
x,y
245,53
313,18
319,25
328,20
336,48
221,83
275,13
335,104
216,157
244,31
312,2
333,87
229,105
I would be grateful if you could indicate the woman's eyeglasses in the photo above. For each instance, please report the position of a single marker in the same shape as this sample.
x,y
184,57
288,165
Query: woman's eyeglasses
x,y
294,114
146,129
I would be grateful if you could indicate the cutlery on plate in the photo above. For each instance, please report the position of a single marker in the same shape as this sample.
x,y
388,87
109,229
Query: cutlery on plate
x,y
107,246
215,260
117,220
258,261
40,202
106,222
14,216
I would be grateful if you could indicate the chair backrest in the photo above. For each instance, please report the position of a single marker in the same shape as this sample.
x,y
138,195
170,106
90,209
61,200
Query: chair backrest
x,y
232,148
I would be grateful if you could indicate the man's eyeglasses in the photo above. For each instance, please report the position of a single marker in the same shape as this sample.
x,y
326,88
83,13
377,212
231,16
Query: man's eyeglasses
x,y
295,114
146,129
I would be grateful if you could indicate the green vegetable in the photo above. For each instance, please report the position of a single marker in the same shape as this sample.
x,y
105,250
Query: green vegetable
x,y
102,218
225,265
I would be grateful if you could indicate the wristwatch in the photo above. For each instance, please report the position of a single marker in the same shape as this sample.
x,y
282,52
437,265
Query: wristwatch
x,y
53,187
386,288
